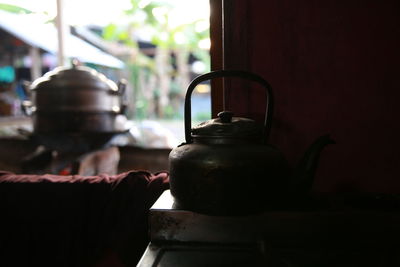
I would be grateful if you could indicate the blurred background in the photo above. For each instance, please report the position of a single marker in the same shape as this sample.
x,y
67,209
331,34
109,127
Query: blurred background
x,y
157,46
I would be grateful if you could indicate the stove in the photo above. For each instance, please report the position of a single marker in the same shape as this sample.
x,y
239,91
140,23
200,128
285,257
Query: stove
x,y
180,237
70,154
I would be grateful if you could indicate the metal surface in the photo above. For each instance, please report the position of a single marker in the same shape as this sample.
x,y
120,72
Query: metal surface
x,y
226,127
226,168
207,172
77,88
189,255
169,223
227,179
94,123
77,99
346,237
228,73
210,255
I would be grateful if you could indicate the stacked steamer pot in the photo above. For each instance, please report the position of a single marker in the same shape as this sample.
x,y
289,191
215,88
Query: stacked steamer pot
x,y
75,103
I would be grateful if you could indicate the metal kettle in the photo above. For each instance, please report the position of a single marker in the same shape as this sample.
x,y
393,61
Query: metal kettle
x,y
226,166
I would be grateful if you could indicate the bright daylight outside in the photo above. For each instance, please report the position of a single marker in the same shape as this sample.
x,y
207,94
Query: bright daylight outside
x,y
156,47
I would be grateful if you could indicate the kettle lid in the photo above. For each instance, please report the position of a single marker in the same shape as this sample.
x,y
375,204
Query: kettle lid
x,y
228,126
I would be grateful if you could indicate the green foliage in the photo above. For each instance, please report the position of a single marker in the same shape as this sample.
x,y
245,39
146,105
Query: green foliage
x,y
169,113
203,56
153,16
148,9
175,89
14,9
202,116
141,108
110,32
163,34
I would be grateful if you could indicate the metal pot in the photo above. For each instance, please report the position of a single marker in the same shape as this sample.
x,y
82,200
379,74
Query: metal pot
x,y
75,100
226,167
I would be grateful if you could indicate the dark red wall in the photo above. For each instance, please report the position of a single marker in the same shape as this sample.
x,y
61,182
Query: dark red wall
x,y
334,68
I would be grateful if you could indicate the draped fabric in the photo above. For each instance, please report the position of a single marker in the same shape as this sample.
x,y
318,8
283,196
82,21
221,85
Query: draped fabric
x,y
50,220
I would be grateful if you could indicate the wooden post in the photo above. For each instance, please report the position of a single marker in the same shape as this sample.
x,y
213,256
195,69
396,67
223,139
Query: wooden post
x,y
36,66
216,52
62,31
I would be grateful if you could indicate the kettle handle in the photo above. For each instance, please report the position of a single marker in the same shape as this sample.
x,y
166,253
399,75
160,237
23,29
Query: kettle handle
x,y
228,73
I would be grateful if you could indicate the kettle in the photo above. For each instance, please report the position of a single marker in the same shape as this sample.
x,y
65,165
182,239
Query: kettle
x,y
226,166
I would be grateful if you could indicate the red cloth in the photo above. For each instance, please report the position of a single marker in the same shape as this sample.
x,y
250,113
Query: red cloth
x,y
51,220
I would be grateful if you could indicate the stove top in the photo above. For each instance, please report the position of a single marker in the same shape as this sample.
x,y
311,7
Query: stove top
x,y
315,238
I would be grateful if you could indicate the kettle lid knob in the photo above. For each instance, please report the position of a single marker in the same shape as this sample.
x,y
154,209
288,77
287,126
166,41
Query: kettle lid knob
x,y
225,116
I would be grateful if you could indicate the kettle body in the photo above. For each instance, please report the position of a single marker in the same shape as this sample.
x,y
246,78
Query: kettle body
x,y
227,179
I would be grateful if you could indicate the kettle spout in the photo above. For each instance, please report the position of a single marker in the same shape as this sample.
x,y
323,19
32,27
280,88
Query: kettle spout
x,y
303,173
